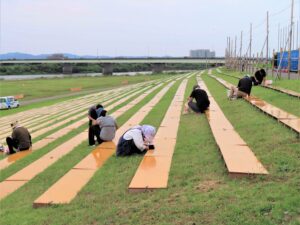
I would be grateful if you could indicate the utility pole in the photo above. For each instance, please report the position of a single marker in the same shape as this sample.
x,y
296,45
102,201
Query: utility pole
x,y
290,40
250,47
0,26
267,46
278,37
241,48
229,52
235,57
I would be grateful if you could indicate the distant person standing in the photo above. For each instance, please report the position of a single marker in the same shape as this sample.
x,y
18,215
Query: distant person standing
x,y
202,102
242,90
108,126
20,139
94,130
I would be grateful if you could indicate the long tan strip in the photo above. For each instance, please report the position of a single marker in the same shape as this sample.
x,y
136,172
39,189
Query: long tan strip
x,y
284,117
238,157
86,168
30,114
52,137
40,120
29,172
153,171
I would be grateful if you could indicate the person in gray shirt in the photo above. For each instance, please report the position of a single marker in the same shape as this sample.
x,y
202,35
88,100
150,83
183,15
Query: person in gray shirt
x,y
108,126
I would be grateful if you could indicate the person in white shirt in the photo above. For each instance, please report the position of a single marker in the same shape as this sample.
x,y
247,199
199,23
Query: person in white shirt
x,y
136,140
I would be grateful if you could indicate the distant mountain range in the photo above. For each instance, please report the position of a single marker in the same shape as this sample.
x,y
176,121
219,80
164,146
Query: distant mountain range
x,y
19,55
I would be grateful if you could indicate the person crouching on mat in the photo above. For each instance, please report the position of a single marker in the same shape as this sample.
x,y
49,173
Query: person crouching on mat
x,y
202,101
242,90
136,140
20,139
108,127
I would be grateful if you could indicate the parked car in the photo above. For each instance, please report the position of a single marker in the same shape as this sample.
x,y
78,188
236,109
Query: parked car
x,y
9,102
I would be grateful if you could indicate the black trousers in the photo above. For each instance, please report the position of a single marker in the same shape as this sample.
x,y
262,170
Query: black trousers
x,y
12,143
94,130
127,148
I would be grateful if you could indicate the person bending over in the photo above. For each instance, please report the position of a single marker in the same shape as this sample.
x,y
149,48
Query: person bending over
x,y
20,139
108,126
202,101
242,90
136,140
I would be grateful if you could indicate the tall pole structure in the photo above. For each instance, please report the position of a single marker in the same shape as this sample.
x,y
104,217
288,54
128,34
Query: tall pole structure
x,y
278,37
267,42
235,57
290,40
241,48
250,45
0,26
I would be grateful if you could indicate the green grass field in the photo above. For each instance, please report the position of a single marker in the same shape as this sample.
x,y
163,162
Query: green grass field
x,y
60,87
199,188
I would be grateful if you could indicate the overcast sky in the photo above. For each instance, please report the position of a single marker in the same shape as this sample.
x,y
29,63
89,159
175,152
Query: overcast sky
x,y
137,27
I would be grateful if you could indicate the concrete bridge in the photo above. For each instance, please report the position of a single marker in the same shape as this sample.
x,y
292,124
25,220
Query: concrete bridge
x,y
158,64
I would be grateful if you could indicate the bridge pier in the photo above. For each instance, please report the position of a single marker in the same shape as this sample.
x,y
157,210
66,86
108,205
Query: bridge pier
x,y
158,67
67,68
107,69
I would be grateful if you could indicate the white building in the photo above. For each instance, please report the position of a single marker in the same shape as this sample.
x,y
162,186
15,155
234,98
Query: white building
x,y
202,53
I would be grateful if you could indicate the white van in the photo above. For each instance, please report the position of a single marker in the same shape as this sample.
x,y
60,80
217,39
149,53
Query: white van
x,y
9,102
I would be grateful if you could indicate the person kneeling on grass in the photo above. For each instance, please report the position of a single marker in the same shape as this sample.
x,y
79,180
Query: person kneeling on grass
x,y
20,139
202,101
242,90
136,140
107,125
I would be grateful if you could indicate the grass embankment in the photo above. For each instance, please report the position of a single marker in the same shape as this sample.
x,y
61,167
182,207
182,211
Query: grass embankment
x,y
43,88
39,184
199,190
283,101
293,85
37,154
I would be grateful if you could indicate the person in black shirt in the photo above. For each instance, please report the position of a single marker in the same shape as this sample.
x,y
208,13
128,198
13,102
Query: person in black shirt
x,y
20,139
94,130
259,77
243,89
202,101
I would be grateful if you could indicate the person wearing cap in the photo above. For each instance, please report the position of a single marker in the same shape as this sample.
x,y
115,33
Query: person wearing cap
x,y
107,125
243,88
136,140
202,102
94,130
20,139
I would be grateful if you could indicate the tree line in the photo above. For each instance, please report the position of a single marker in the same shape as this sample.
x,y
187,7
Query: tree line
x,y
22,69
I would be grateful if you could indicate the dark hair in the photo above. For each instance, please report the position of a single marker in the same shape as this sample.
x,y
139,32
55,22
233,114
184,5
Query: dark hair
x,y
263,72
103,113
99,106
195,87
